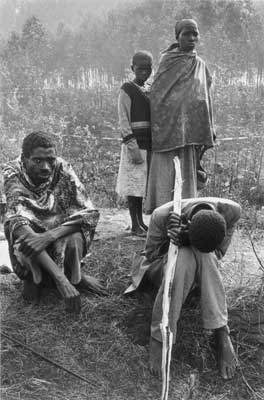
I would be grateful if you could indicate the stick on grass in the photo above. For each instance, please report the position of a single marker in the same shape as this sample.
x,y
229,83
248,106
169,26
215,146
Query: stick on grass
x,y
16,341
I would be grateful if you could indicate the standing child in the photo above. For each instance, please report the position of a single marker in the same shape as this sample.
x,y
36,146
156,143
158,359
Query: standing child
x,y
134,120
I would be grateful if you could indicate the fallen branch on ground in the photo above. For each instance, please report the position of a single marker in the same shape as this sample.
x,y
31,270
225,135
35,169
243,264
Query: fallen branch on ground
x,y
16,341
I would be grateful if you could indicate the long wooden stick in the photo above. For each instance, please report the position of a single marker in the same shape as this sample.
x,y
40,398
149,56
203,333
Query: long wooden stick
x,y
167,336
18,342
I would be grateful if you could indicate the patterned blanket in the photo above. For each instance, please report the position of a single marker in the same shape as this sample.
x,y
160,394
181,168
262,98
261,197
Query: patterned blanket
x,y
61,200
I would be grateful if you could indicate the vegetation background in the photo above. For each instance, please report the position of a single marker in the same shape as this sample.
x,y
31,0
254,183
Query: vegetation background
x,y
62,63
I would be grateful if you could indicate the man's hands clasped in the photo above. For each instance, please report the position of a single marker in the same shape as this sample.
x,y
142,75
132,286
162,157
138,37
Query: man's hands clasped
x,y
178,230
31,244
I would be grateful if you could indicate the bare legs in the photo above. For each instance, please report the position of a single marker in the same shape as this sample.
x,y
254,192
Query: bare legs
x,y
193,266
227,360
65,288
155,357
135,210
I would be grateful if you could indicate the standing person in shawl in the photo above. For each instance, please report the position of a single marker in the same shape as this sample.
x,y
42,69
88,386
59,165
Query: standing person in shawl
x,y
181,117
134,120
203,233
50,222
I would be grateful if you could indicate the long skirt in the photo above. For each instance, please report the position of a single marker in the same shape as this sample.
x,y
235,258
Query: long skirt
x,y
132,178
161,178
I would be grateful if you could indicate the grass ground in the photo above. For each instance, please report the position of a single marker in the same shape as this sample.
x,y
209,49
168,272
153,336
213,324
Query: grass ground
x,y
108,342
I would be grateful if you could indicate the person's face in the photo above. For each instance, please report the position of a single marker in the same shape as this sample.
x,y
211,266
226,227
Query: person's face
x,y
187,39
142,70
40,164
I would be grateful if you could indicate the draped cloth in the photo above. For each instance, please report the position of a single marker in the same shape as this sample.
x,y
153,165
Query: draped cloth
x,y
181,110
60,201
160,188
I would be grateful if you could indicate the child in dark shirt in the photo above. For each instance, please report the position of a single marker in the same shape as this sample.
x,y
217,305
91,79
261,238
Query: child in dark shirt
x,y
134,120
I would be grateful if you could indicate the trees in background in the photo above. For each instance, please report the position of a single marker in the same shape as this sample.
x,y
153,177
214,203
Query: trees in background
x,y
97,51
231,34
67,77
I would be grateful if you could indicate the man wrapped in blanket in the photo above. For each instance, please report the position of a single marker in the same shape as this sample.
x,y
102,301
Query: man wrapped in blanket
x,y
50,221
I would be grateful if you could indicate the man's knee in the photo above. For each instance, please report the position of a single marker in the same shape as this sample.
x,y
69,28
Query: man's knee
x,y
186,266
74,243
186,260
206,261
74,240
21,231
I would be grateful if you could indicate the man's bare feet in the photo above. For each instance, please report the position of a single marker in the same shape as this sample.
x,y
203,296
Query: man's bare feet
x,y
69,293
155,357
73,304
227,360
31,291
91,284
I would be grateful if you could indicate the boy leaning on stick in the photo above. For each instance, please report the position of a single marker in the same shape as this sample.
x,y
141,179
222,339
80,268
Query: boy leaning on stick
x,y
203,233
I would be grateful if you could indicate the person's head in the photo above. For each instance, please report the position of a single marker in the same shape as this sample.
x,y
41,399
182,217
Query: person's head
x,y
187,34
142,66
207,228
39,156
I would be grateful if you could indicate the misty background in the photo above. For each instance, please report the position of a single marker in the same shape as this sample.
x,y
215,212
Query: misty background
x,y
63,61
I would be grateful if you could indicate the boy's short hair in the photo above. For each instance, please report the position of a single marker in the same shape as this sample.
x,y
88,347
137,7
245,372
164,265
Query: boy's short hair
x,y
142,54
37,139
207,230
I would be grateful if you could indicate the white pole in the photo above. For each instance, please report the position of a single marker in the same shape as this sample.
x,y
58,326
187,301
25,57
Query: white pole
x,y
167,336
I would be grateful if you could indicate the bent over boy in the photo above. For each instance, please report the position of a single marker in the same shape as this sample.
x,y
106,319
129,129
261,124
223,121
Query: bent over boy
x,y
203,233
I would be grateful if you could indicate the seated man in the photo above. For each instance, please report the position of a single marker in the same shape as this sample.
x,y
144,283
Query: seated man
x,y
203,234
50,222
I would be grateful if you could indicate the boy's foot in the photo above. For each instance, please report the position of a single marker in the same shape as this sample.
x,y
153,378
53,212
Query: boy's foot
x,y
91,284
227,360
155,357
138,232
31,291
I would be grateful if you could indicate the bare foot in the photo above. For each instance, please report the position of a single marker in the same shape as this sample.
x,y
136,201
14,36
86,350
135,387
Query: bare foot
x,y
70,294
91,284
31,291
73,304
155,357
227,360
